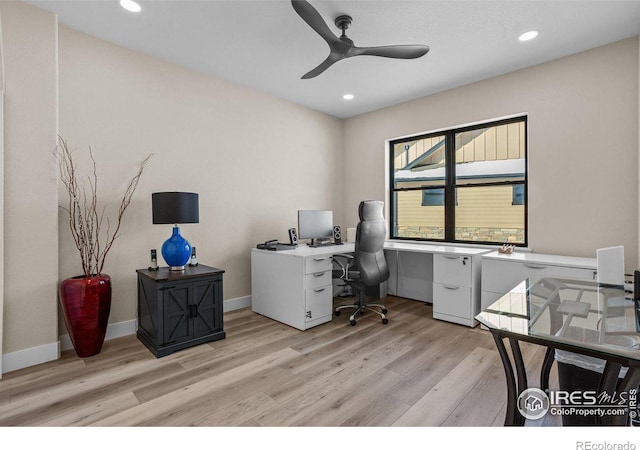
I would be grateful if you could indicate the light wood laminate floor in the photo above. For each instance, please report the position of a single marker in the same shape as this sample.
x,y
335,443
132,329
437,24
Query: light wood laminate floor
x,y
414,371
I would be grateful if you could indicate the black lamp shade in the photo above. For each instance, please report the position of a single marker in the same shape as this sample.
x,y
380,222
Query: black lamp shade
x,y
175,207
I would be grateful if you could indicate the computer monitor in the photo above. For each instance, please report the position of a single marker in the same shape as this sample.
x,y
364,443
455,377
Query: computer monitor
x,y
315,225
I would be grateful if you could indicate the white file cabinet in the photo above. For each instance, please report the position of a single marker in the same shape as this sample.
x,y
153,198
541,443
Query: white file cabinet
x,y
456,287
502,272
446,275
293,286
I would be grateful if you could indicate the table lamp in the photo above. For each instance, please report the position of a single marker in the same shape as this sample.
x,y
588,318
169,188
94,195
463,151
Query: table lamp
x,y
175,208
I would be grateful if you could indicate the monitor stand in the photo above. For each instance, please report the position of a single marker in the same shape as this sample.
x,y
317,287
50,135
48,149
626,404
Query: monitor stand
x,y
320,242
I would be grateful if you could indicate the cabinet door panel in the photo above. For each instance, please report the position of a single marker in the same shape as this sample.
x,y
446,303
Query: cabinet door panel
x,y
318,303
207,317
452,269
175,315
452,300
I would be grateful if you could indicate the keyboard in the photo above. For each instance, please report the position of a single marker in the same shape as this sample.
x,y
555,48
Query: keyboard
x,y
322,244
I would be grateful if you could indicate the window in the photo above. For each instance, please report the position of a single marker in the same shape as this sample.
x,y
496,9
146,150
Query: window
x,y
461,185
518,194
433,197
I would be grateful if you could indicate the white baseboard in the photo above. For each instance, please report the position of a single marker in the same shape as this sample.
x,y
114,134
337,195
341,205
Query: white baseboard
x,y
114,330
30,357
38,355
236,303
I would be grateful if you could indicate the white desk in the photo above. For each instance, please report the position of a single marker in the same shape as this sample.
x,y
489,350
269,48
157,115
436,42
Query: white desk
x,y
295,286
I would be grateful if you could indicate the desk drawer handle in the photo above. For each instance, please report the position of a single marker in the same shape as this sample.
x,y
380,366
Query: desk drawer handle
x,y
451,288
319,259
451,257
319,274
319,290
535,266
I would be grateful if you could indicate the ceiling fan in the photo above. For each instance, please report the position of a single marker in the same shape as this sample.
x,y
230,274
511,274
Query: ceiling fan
x,y
342,47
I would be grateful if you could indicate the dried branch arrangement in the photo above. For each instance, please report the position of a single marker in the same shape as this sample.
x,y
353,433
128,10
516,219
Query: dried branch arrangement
x,y
86,219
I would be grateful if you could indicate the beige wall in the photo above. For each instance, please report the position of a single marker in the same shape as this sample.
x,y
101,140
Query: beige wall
x,y
583,145
254,159
30,202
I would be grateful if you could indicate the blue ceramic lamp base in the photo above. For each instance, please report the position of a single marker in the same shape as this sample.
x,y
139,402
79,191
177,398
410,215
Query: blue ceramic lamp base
x,y
176,250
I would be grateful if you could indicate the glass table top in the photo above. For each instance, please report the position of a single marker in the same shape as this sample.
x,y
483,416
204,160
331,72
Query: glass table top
x,y
578,313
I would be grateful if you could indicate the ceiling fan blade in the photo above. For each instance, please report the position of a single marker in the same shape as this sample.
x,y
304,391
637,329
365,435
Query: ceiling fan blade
x,y
313,18
393,51
331,59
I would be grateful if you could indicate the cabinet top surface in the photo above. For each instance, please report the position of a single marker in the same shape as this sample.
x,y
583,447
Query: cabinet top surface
x,y
305,250
430,248
557,260
164,274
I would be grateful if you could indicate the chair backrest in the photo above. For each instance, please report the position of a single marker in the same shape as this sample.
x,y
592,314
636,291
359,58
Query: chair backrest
x,y
370,235
610,262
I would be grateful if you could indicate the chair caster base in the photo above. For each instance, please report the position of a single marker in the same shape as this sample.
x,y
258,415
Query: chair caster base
x,y
359,310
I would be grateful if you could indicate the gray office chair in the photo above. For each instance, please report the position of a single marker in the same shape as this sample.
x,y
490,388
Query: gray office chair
x,y
367,267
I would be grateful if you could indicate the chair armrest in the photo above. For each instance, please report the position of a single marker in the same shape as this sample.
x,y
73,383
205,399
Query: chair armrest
x,y
344,265
346,256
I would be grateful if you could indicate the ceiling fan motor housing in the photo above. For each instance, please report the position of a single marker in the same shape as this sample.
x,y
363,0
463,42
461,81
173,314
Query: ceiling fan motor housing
x,y
343,21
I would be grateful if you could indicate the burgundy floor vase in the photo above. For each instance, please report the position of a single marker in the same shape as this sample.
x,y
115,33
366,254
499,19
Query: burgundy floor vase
x,y
86,303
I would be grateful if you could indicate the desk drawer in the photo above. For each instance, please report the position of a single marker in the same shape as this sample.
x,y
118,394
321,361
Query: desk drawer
x,y
317,279
452,300
319,302
452,269
502,276
316,264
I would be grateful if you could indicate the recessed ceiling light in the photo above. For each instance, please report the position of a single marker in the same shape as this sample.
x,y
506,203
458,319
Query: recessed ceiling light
x,y
348,96
528,35
130,5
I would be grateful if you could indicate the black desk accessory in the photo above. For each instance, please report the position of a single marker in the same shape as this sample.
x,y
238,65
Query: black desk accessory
x,y
293,236
193,261
154,260
337,234
274,245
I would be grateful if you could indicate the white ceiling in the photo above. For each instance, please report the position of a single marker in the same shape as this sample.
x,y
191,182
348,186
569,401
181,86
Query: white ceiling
x,y
267,46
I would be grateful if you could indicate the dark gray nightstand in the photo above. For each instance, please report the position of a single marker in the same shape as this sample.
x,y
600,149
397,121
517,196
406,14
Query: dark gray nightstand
x,y
179,309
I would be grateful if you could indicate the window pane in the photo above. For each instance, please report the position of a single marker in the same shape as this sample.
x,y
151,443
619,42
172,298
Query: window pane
x,y
419,163
518,194
416,221
491,154
433,197
487,214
